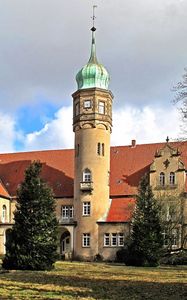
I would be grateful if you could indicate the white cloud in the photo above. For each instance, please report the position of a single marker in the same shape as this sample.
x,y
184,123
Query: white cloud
x,y
146,125
56,134
8,133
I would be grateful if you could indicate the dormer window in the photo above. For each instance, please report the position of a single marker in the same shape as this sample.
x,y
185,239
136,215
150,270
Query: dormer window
x,y
172,178
87,103
101,107
162,179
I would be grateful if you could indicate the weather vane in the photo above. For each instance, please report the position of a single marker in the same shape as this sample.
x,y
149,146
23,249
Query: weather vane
x,y
93,17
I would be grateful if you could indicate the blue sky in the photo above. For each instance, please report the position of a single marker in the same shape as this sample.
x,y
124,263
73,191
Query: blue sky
x,y
141,42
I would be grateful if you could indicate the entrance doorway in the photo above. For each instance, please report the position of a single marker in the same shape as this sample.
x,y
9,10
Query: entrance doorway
x,y
65,245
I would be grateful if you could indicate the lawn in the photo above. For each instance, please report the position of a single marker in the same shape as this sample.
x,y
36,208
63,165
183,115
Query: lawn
x,y
95,281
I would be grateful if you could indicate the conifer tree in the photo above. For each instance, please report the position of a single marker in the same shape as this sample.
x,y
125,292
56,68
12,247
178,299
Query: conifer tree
x,y
32,242
146,238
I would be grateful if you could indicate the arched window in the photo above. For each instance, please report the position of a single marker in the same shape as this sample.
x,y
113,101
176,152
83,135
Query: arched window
x,y
87,175
172,178
4,212
162,179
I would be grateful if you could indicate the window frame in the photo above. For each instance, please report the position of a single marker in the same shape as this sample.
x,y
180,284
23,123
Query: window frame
x,y
162,179
121,239
67,212
86,240
106,239
87,175
172,178
86,102
114,237
101,107
86,208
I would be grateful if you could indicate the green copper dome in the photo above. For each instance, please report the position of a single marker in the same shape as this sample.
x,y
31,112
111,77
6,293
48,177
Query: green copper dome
x,y
93,74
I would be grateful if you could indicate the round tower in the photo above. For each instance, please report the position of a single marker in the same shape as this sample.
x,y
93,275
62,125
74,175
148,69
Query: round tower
x,y
92,123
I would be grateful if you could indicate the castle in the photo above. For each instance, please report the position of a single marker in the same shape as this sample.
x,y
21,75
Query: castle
x,y
95,184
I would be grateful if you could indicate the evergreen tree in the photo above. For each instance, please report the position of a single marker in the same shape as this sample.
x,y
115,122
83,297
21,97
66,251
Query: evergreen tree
x,y
146,238
32,242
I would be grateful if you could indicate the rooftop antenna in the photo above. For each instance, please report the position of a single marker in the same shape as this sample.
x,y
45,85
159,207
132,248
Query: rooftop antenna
x,y
94,17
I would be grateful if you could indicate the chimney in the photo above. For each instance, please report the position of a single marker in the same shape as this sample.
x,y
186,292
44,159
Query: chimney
x,y
133,143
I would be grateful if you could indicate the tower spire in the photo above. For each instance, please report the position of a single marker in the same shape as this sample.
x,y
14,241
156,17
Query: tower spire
x,y
93,58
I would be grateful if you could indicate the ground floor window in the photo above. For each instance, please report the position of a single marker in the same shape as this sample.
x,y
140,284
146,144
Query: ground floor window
x,y
171,239
114,239
86,240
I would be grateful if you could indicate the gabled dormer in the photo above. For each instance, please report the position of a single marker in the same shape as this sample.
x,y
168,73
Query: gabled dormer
x,y
167,171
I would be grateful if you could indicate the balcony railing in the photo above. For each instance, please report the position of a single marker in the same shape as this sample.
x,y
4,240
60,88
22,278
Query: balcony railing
x,y
66,220
86,186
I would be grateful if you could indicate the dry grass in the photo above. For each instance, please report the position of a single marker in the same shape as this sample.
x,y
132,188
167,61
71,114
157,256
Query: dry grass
x,y
95,281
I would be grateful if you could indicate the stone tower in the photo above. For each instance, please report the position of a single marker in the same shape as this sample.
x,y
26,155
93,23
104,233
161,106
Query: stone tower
x,y
92,122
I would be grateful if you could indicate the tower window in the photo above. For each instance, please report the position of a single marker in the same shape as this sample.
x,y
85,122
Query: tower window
x,y
162,179
87,103
103,149
87,175
86,209
86,240
172,178
99,148
77,109
101,107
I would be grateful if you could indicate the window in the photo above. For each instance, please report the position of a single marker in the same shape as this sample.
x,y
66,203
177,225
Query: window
x,y
87,103
107,239
71,210
86,209
86,240
171,239
103,149
174,237
4,212
99,148
165,238
114,239
101,107
120,239
67,212
77,109
162,179
86,175
172,178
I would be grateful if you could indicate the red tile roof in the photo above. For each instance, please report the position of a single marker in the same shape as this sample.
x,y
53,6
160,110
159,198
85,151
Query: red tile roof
x,y
121,210
3,191
128,164
58,170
